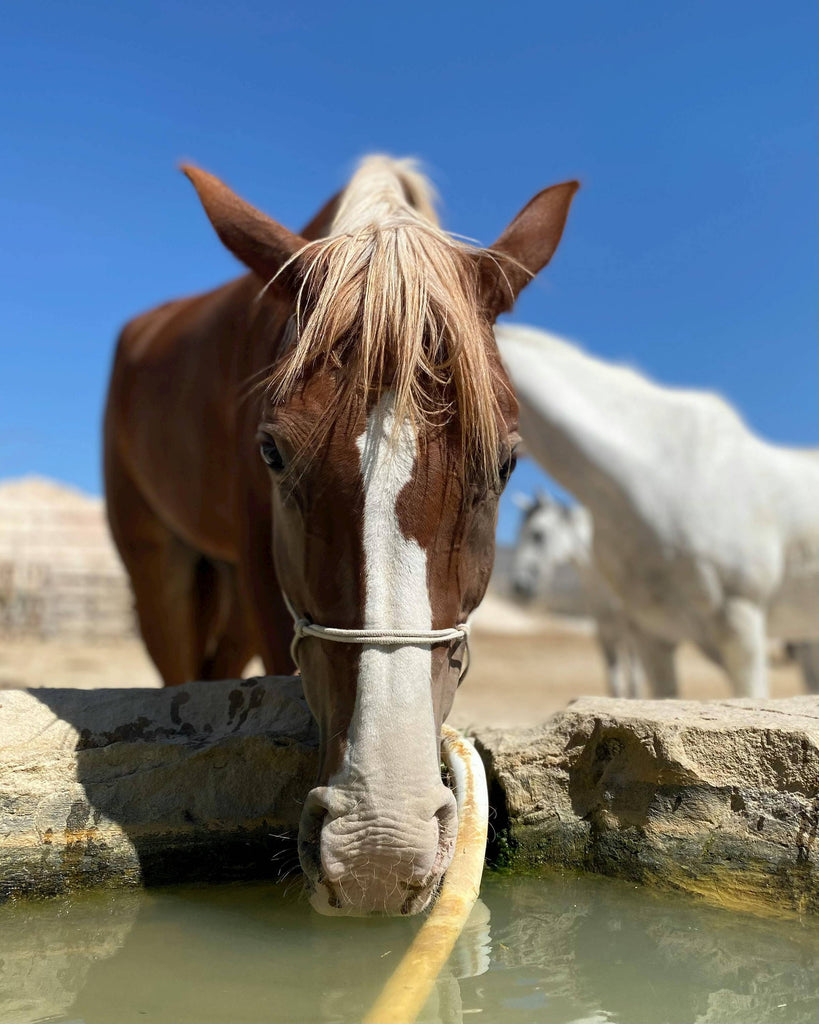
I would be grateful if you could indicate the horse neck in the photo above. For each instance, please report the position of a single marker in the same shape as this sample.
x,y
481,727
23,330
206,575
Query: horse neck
x,y
590,424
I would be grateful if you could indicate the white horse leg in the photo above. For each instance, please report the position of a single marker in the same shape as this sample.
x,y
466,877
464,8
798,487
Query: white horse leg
x,y
741,644
636,673
609,647
657,658
806,655
617,684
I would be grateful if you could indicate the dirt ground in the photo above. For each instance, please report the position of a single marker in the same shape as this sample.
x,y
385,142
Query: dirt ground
x,y
523,668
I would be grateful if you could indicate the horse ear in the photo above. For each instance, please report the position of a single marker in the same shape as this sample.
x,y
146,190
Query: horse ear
x,y
524,248
257,240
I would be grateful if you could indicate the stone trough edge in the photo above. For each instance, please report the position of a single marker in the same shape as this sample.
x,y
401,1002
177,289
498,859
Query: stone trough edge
x,y
140,786
715,798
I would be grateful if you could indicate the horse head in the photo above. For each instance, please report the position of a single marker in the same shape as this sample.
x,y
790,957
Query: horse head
x,y
553,538
388,430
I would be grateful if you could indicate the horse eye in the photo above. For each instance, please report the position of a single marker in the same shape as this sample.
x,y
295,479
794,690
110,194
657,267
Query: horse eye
x,y
508,468
271,454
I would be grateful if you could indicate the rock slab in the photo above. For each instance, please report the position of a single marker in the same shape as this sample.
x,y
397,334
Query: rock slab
x,y
208,780
718,798
144,786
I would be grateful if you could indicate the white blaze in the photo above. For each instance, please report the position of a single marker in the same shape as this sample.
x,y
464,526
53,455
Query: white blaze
x,y
392,739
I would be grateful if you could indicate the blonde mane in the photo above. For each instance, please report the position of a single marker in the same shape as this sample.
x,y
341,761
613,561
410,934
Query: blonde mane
x,y
392,299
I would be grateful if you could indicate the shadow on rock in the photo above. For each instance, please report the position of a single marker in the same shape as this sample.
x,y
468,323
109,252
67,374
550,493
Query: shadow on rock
x,y
203,781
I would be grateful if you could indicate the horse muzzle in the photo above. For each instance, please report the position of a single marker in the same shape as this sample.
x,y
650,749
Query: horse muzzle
x,y
362,860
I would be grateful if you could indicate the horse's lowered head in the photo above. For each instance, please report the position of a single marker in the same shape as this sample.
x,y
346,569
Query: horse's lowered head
x,y
553,540
388,429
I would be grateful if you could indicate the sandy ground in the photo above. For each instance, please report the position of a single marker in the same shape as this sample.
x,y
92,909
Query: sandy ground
x,y
524,667
522,680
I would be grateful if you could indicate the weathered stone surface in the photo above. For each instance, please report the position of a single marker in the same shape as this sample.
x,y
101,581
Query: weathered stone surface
x,y
150,785
717,798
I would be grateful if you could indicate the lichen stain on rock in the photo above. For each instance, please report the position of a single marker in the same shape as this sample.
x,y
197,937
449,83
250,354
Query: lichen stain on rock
x,y
78,816
141,730
237,702
82,843
176,703
806,834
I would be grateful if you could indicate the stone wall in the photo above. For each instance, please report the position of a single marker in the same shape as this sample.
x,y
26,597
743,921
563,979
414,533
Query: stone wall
x,y
718,798
142,786
207,781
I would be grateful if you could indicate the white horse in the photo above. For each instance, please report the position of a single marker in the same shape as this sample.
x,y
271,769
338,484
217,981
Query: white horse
x,y
553,565
705,531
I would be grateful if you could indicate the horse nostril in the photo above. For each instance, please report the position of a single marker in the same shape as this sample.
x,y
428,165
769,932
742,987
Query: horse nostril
x,y
317,803
313,816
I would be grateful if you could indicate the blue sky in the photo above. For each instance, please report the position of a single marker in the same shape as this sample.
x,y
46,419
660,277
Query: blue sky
x,y
690,252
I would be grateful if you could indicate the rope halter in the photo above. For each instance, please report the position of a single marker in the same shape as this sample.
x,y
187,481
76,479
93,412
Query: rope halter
x,y
303,627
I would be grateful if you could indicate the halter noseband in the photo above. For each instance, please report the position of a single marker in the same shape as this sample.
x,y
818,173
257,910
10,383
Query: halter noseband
x,y
380,637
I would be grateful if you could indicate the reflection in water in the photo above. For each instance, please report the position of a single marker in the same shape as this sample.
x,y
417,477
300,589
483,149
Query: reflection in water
x,y
47,949
594,949
562,949
472,954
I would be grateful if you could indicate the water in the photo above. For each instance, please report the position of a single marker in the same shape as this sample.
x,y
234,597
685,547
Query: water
x,y
547,949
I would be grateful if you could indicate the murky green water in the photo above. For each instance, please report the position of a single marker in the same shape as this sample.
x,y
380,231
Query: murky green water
x,y
545,949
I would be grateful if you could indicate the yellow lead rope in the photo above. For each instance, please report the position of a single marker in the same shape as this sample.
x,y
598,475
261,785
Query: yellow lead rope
x,y
407,990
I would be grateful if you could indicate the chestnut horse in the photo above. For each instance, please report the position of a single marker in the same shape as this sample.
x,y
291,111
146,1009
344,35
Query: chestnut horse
x,y
329,436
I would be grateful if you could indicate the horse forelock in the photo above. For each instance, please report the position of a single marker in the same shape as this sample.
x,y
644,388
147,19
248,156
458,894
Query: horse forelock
x,y
391,300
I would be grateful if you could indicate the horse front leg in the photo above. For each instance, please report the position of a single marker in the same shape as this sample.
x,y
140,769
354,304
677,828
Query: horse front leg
x,y
657,658
806,654
740,642
608,640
